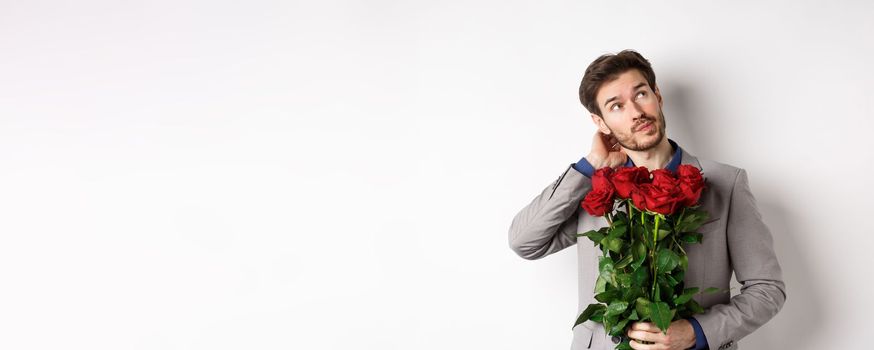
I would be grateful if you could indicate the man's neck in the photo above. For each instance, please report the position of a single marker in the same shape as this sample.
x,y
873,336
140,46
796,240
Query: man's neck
x,y
654,158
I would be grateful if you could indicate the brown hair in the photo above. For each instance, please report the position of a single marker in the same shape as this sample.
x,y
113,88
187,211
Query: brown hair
x,y
607,68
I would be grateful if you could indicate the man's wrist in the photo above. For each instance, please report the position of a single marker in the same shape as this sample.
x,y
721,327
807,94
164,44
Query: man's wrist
x,y
691,344
594,162
700,338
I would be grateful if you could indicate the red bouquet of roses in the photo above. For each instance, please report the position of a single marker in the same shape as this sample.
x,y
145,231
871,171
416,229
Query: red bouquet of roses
x,y
643,263
663,193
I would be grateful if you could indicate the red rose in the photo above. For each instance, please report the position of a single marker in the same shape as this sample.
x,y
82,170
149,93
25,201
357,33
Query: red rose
x,y
627,179
691,184
689,174
664,179
637,196
601,178
598,201
662,200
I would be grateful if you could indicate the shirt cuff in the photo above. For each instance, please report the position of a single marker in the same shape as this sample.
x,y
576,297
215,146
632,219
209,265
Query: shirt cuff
x,y
700,338
584,167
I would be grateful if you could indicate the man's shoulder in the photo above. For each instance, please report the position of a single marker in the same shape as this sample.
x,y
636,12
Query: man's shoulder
x,y
719,171
711,168
716,166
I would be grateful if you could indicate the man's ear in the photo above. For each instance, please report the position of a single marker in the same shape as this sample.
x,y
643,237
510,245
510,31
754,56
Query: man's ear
x,y
599,122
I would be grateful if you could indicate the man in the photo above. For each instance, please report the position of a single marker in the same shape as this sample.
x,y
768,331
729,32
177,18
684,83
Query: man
x,y
625,104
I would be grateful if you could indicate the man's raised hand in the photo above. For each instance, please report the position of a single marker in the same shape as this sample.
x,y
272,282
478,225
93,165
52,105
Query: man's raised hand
x,y
605,152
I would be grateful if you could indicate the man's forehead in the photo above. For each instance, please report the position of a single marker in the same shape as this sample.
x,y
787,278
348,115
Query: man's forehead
x,y
631,76
614,88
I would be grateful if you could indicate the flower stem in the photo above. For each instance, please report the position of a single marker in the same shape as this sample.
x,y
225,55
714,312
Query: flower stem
x,y
655,236
629,212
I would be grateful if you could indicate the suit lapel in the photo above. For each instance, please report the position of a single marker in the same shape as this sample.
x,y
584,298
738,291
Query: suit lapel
x,y
687,158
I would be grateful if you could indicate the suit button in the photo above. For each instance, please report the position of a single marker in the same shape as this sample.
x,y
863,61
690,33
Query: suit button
x,y
616,339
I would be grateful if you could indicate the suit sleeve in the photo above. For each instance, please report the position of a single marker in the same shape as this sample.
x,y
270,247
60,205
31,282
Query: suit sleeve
x,y
549,223
755,265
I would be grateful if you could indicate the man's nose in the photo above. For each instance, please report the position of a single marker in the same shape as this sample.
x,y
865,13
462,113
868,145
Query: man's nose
x,y
635,111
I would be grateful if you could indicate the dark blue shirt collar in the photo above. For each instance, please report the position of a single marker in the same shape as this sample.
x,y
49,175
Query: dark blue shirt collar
x,y
675,160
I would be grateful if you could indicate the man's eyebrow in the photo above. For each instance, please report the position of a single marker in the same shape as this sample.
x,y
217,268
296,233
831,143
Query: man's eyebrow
x,y
638,86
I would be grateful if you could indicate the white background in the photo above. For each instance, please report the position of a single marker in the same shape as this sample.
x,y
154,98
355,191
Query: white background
x,y
342,174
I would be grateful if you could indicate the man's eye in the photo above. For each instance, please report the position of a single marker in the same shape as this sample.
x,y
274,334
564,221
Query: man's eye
x,y
641,94
614,107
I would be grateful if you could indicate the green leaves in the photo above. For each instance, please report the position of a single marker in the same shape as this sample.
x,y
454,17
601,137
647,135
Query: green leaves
x,y
693,305
624,261
619,327
712,290
639,252
693,237
607,271
642,306
600,285
592,234
616,308
624,280
619,228
612,244
660,313
667,260
607,296
692,219
640,277
686,296
639,234
640,274
591,310
624,345
595,236
663,233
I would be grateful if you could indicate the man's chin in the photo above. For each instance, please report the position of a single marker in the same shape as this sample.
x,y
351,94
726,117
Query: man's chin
x,y
650,144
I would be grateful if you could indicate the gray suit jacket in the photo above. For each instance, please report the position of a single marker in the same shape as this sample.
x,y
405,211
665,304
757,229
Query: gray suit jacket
x,y
736,240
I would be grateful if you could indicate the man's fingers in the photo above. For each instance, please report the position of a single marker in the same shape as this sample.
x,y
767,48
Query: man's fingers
x,y
638,346
645,331
645,326
646,336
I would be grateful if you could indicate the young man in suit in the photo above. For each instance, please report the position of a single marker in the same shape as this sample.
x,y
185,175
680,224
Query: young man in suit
x,y
620,92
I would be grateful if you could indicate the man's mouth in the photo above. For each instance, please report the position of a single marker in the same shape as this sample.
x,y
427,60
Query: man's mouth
x,y
644,127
